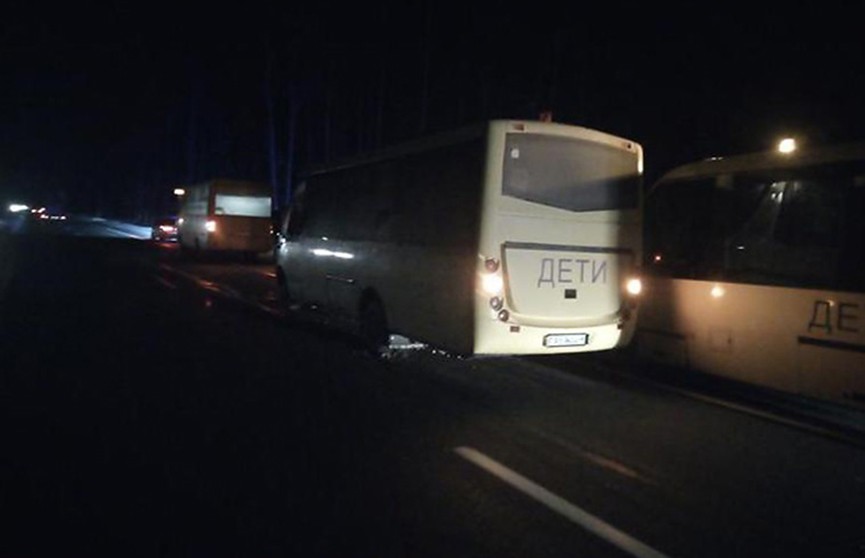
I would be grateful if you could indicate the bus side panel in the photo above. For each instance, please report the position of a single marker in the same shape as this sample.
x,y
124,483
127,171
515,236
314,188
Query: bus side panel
x,y
403,229
831,348
303,271
794,340
427,293
728,330
659,336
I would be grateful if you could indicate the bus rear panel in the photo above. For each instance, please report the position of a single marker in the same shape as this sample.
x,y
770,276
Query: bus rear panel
x,y
562,227
228,216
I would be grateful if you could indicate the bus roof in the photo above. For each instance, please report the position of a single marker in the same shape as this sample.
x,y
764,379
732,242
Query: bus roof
x,y
462,134
766,160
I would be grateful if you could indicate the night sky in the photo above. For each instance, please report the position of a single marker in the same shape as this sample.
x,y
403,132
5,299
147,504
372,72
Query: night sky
x,y
105,109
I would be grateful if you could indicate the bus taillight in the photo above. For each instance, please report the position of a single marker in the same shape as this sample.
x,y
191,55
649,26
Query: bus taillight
x,y
492,283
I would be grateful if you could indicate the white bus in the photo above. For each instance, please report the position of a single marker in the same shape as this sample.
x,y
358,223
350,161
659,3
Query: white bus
x,y
226,215
756,271
503,238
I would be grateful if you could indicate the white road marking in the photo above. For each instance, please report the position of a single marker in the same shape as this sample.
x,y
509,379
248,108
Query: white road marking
x,y
165,282
594,458
222,289
584,519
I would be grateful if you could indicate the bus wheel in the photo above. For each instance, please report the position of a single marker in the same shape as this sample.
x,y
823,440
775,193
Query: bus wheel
x,y
373,328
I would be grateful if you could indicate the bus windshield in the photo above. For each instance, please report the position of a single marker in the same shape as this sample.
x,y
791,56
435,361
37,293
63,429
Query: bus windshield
x,y
569,173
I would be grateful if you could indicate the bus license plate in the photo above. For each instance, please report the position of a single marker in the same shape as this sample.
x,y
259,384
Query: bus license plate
x,y
566,340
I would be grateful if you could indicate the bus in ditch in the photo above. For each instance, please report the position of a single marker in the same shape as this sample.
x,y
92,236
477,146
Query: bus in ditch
x,y
508,237
225,215
755,271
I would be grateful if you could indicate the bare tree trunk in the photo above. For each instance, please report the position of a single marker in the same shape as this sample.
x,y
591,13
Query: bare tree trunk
x,y
328,102
378,126
379,105
192,138
361,121
293,114
273,162
427,51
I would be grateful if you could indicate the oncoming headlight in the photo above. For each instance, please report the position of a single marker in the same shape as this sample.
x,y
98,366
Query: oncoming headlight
x,y
210,226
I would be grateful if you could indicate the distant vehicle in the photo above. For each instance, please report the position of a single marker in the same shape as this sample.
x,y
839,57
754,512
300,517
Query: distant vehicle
x,y
504,238
164,230
756,271
43,214
226,215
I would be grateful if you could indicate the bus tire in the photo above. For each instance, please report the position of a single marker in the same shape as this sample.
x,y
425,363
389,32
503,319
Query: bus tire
x,y
373,327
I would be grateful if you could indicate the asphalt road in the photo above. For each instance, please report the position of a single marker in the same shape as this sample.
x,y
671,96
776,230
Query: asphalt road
x,y
159,407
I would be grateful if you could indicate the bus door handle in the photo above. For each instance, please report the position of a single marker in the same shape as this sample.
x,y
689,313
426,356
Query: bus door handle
x,y
337,279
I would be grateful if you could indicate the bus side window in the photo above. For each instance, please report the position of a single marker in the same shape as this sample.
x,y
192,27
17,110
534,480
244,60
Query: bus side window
x,y
678,224
851,273
810,214
808,233
748,240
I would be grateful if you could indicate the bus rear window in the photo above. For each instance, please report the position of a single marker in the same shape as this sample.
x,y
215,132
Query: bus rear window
x,y
568,173
242,206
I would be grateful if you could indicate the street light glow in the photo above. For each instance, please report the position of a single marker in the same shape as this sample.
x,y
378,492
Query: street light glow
x,y
179,192
18,207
